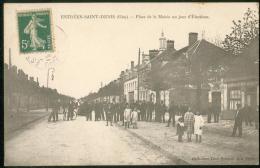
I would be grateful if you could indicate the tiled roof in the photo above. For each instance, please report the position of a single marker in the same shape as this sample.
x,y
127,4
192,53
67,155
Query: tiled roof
x,y
202,52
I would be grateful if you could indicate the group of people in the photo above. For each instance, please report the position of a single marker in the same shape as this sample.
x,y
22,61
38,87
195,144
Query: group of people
x,y
131,113
69,110
192,124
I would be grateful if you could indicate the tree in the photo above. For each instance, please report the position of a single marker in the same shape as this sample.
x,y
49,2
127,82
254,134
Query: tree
x,y
243,31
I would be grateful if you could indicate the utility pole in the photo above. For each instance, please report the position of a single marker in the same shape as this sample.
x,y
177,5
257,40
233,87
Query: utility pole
x,y
48,85
138,75
10,58
9,91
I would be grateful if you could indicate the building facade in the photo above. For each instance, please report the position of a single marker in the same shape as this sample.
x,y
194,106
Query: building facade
x,y
241,83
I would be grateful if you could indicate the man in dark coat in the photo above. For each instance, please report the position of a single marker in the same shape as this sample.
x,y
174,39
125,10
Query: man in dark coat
x,y
97,111
142,111
102,116
210,109
248,115
122,109
238,121
150,108
109,113
157,111
57,105
162,112
54,112
172,110
216,110
70,111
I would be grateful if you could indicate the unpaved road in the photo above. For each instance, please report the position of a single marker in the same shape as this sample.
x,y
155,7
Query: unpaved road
x,y
79,142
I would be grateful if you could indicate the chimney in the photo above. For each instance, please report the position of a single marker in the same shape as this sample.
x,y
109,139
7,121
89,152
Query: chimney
x,y
193,37
170,44
132,65
153,53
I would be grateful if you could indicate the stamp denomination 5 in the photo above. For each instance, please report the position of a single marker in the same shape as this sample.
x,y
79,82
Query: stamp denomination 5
x,y
35,31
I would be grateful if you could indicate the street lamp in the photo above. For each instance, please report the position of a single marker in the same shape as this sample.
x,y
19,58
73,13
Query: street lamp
x,y
52,78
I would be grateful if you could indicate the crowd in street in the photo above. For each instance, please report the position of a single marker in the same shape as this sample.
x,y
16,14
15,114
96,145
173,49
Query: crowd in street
x,y
188,120
69,110
130,114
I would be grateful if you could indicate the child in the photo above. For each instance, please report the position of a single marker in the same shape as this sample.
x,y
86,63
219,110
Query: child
x,y
180,128
134,117
198,124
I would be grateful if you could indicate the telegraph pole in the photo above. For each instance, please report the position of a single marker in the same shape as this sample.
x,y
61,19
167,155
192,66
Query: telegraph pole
x,y
48,85
138,75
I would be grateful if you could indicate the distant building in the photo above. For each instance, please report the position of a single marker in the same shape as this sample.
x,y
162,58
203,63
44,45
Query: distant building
x,y
130,82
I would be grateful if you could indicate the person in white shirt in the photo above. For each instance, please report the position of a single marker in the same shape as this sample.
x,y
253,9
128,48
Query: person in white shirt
x,y
198,124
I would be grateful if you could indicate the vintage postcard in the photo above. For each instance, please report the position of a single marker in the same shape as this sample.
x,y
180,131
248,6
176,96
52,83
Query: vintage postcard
x,y
131,84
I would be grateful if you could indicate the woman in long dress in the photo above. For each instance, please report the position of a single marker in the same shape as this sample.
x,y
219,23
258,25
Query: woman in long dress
x,y
198,124
32,30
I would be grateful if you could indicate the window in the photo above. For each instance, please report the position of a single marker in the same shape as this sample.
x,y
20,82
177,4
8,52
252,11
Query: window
x,y
234,99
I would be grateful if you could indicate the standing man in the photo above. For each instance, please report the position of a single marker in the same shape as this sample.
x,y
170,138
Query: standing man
x,y
157,111
162,112
238,121
172,110
102,116
52,114
65,110
189,123
89,111
56,109
109,114
142,111
248,115
216,110
116,112
96,111
70,110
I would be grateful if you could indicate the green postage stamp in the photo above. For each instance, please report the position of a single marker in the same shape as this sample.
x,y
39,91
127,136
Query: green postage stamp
x,y
35,31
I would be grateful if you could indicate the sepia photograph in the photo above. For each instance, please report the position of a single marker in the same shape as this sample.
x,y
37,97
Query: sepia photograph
x,y
131,84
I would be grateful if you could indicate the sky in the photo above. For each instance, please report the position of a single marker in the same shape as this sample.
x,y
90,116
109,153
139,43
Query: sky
x,y
89,51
